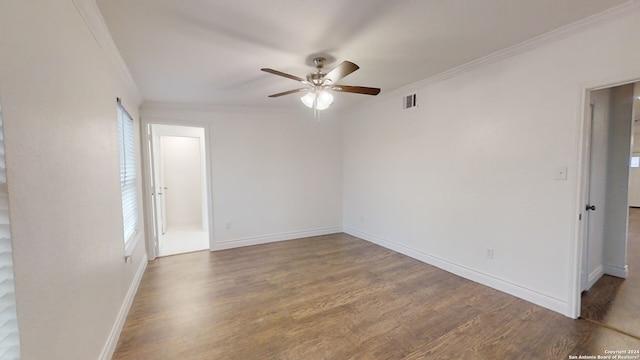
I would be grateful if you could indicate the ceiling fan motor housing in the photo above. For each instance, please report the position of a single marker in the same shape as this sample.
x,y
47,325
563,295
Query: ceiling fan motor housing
x,y
316,78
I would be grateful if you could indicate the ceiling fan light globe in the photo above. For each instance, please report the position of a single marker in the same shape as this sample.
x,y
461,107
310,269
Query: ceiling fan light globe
x,y
308,99
325,99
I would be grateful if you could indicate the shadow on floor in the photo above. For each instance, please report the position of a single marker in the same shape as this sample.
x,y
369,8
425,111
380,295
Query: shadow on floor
x,y
597,302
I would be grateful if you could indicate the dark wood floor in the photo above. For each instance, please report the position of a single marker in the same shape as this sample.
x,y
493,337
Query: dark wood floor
x,y
338,297
613,301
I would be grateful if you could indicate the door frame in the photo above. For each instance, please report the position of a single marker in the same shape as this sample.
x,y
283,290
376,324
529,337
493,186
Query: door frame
x,y
145,122
587,191
579,242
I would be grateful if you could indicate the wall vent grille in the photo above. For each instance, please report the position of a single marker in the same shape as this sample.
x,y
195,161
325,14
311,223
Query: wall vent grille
x,y
409,101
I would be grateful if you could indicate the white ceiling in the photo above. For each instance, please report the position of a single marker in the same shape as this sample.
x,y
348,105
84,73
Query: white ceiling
x,y
211,51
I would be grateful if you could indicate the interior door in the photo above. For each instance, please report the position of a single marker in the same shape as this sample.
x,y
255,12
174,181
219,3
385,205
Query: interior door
x,y
155,217
596,205
162,199
157,184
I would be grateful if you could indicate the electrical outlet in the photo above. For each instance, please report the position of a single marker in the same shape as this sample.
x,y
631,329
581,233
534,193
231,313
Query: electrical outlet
x,y
489,253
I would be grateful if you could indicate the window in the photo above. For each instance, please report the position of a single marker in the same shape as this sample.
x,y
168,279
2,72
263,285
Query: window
x,y
127,173
9,341
635,161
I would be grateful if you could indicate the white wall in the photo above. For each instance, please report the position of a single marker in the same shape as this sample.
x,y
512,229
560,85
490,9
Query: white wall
x,y
59,104
620,124
634,182
182,168
275,174
474,166
634,173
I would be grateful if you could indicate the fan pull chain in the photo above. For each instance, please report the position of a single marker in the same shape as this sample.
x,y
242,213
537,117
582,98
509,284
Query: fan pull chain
x,y
316,113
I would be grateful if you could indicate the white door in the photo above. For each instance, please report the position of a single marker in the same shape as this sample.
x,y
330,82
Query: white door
x,y
161,189
595,207
156,187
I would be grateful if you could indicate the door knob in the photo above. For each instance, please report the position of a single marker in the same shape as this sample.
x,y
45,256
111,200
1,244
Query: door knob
x,y
591,207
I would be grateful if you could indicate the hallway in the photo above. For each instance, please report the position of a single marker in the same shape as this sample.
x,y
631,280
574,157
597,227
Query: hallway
x,y
614,302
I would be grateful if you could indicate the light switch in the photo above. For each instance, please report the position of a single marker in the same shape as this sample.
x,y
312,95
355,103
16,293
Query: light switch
x,y
561,173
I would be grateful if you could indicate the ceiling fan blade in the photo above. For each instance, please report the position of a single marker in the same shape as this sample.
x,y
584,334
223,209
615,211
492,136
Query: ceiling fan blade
x,y
356,89
289,92
288,76
342,70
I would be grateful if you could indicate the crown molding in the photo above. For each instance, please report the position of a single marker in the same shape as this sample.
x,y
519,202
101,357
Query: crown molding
x,y
92,17
614,13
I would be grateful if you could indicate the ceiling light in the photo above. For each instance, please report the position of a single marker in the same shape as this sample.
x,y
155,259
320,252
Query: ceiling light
x,y
318,100
308,99
324,100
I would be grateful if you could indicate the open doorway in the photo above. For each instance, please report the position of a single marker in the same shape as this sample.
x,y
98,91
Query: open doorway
x,y
179,193
610,278
634,164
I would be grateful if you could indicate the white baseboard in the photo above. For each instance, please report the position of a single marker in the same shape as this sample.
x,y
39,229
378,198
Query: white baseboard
x,y
110,346
617,271
594,276
264,239
516,290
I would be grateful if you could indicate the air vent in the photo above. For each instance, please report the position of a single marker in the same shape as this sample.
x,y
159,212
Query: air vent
x,y
409,101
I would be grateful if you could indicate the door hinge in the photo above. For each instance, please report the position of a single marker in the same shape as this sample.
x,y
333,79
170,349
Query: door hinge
x,y
579,216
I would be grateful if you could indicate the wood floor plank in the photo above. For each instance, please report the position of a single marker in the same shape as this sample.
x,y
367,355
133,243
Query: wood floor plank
x,y
336,297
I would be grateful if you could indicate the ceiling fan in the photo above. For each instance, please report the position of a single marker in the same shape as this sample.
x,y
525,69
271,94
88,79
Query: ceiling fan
x,y
319,83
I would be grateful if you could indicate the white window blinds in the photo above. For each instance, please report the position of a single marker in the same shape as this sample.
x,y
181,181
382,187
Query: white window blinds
x,y
127,173
9,341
